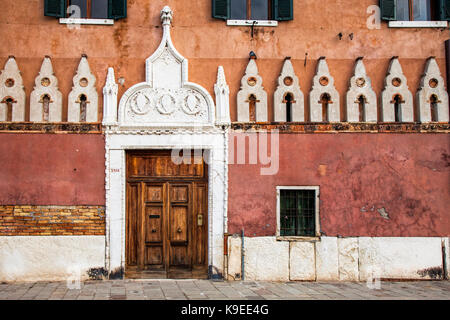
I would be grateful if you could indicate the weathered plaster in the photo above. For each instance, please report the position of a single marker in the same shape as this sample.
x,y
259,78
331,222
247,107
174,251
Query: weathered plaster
x,y
371,172
50,258
46,83
56,169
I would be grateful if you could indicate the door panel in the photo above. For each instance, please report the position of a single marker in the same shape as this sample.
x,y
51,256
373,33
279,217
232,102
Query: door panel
x,y
132,229
166,217
200,224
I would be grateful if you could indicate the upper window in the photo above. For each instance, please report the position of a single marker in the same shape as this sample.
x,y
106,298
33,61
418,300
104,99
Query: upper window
x,y
253,9
86,9
298,211
415,10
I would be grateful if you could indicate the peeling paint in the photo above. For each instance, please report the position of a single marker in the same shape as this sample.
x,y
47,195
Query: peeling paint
x,y
383,213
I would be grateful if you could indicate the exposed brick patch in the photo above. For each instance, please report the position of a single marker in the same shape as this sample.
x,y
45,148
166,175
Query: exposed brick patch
x,y
52,220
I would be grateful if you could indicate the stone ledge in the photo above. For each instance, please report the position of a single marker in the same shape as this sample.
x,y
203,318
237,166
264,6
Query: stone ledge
x,y
61,127
343,127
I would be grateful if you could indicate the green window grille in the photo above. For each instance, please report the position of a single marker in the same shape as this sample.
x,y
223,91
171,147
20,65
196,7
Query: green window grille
x,y
298,213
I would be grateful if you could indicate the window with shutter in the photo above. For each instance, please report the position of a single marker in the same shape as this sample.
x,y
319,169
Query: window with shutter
x,y
388,9
117,9
444,10
86,9
259,10
221,9
413,10
283,10
55,8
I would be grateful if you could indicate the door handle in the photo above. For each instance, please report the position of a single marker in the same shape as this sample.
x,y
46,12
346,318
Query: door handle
x,y
153,230
179,230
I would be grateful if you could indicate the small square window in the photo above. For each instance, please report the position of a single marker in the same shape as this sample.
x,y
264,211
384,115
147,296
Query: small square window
x,y
298,211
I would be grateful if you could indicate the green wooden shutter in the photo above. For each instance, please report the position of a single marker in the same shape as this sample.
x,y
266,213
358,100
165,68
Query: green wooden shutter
x,y
117,9
221,9
55,8
388,9
444,10
283,10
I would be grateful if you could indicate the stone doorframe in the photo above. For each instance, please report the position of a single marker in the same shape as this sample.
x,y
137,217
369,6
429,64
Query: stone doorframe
x,y
165,112
215,155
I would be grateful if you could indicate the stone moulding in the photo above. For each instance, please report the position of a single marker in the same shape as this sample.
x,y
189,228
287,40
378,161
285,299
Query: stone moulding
x,y
12,91
251,85
323,84
361,87
396,85
288,84
344,127
46,84
83,85
432,84
64,127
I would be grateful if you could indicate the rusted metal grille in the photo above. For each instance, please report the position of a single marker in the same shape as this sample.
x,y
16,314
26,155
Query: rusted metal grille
x,y
297,213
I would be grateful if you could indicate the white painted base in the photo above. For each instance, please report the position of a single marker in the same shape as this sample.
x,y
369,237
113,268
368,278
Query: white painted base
x,y
50,258
339,259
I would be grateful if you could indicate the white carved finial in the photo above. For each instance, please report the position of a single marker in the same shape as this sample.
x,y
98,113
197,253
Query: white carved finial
x,y
12,92
288,84
83,90
251,87
222,92
323,86
166,16
361,90
110,99
396,86
432,91
46,84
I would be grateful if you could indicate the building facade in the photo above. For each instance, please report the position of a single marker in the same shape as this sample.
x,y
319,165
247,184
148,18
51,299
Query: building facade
x,y
227,139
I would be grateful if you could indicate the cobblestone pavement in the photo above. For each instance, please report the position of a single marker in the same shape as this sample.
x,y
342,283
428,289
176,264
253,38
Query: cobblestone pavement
x,y
216,290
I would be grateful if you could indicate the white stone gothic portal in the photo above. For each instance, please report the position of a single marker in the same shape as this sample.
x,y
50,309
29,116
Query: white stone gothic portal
x,y
165,112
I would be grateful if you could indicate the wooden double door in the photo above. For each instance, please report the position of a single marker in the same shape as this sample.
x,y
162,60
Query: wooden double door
x,y
167,216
